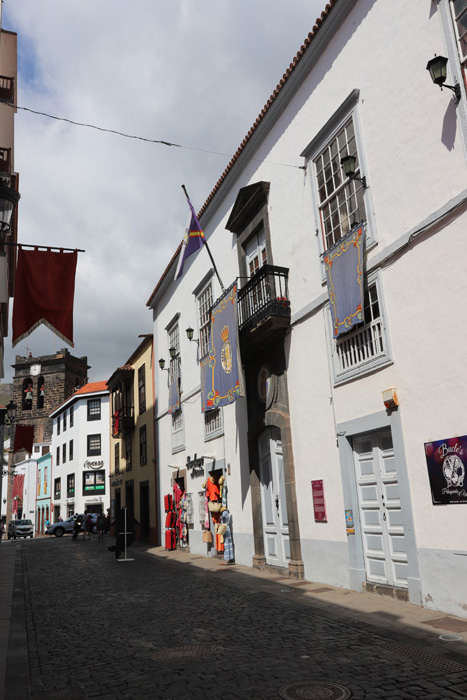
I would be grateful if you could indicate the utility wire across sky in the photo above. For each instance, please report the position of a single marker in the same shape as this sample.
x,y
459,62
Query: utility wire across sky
x,y
142,138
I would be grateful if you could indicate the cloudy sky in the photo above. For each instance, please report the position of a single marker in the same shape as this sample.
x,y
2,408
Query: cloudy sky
x,y
191,72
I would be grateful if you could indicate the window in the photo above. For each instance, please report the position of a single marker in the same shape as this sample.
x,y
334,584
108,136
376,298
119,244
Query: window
x,y
142,446
45,480
93,482
117,457
64,421
142,388
340,200
94,445
70,486
366,347
174,342
178,431
255,252
459,13
204,306
94,409
58,456
59,420
213,423
128,454
71,450
71,416
41,392
64,453
27,394
57,488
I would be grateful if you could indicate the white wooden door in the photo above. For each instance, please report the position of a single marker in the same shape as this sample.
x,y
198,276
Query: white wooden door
x,y
381,515
273,499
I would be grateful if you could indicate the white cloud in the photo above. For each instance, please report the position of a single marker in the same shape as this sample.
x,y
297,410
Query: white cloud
x,y
193,72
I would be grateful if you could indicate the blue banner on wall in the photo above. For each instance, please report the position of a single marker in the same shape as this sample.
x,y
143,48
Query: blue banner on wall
x,y
174,395
221,376
446,461
344,273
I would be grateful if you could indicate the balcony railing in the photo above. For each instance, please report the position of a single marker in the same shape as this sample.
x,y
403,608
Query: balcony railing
x,y
264,296
123,421
7,89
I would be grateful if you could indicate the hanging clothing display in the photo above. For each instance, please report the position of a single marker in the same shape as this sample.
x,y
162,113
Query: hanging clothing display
x,y
228,544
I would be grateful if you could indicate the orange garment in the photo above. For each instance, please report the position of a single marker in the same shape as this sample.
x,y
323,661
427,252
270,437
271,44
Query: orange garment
x,y
214,492
219,544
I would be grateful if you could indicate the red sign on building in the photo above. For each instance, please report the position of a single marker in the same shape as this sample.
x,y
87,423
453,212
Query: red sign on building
x,y
319,505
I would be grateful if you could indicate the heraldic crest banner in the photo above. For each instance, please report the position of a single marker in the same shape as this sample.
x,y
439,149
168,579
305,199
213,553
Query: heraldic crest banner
x,y
221,376
344,273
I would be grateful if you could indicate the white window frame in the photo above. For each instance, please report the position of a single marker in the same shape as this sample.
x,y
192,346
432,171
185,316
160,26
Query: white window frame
x,y
348,110
178,431
213,431
369,364
204,301
173,338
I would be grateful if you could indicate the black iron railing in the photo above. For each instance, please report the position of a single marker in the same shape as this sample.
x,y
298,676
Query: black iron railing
x,y
265,295
123,421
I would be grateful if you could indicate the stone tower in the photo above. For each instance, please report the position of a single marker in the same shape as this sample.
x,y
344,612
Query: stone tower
x,y
40,385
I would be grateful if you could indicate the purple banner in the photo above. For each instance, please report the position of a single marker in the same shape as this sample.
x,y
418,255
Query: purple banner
x,y
446,460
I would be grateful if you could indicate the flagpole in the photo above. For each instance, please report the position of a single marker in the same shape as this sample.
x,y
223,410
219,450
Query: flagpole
x,y
207,248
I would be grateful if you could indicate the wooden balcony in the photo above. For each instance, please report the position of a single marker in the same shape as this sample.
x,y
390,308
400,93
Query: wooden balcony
x,y
264,305
123,421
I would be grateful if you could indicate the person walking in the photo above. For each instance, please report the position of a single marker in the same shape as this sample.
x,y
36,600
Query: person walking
x,y
100,523
87,525
2,530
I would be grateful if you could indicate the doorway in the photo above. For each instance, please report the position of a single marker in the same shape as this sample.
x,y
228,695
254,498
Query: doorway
x,y
144,510
273,498
381,514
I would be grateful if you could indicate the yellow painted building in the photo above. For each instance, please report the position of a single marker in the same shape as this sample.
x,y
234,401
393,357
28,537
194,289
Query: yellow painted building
x,y
133,482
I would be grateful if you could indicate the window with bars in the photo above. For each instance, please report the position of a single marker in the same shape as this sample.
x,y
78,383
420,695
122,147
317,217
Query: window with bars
x,y
94,409
367,346
213,423
143,458
204,305
340,199
94,445
142,388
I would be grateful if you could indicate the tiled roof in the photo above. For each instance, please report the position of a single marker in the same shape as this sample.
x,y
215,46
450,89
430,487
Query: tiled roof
x,y
325,13
92,387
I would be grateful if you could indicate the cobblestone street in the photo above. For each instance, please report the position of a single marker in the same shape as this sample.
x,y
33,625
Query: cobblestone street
x,y
155,628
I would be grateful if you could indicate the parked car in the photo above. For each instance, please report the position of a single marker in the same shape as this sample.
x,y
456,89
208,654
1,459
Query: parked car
x,y
20,528
66,526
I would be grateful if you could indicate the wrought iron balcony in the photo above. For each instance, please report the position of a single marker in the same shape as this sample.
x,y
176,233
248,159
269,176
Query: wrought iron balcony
x,y
123,421
263,303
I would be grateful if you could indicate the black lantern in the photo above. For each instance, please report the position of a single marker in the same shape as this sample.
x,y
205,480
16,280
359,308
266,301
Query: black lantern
x,y
9,198
349,165
173,353
189,334
11,410
162,363
438,73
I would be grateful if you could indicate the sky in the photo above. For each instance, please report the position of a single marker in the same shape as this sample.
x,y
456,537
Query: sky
x,y
191,72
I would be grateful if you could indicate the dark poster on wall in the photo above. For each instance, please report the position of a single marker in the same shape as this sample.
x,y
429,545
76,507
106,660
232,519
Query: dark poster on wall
x,y
446,460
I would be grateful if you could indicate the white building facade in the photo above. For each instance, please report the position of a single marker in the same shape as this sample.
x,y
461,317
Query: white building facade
x,y
80,452
345,461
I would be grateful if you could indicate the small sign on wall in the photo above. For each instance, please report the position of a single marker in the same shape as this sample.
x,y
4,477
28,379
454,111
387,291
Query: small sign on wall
x,y
349,522
446,461
319,505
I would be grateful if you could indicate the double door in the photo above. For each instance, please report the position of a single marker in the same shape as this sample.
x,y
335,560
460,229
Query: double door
x,y
273,499
381,513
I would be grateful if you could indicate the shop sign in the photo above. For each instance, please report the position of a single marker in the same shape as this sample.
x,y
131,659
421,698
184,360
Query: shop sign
x,y
196,465
319,505
94,464
349,522
446,460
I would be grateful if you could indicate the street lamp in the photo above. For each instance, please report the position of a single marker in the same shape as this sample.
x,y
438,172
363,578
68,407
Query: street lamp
x,y
9,198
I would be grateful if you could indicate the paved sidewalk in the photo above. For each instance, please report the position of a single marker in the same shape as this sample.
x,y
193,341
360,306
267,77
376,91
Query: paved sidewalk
x,y
177,625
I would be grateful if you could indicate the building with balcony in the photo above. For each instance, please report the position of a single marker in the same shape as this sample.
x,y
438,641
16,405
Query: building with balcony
x,y
81,452
132,452
341,219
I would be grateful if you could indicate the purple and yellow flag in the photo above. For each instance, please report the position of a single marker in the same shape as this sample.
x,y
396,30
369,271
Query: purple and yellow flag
x,y
221,372
344,274
192,241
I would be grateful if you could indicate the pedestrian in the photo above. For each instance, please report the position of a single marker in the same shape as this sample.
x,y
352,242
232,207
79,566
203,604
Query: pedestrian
x,y
87,525
77,526
107,521
100,523
124,535
2,530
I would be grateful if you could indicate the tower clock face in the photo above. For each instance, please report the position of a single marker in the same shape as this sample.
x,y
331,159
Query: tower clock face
x,y
35,370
